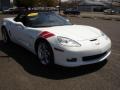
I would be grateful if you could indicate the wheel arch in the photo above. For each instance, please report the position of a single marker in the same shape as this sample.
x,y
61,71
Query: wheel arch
x,y
38,41
3,30
6,29
3,26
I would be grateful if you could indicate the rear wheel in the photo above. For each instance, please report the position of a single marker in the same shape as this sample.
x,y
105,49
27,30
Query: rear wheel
x,y
45,53
5,36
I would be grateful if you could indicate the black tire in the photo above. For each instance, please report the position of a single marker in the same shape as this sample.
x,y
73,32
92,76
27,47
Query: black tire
x,y
45,53
5,36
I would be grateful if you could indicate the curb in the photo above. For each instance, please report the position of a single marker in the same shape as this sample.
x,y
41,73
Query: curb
x,y
92,16
102,17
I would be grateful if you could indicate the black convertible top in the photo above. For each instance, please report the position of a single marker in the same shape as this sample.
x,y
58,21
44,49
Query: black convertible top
x,y
41,19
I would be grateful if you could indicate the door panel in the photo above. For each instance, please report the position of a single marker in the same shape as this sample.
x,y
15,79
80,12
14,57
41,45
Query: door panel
x,y
23,35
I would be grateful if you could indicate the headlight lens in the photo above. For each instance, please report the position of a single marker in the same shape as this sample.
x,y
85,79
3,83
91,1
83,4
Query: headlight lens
x,y
68,42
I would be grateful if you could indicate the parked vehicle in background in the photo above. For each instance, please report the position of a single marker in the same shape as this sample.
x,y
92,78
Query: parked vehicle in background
x,y
13,10
111,11
71,11
10,11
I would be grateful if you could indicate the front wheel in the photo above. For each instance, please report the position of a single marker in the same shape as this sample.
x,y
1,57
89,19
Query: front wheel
x,y
45,53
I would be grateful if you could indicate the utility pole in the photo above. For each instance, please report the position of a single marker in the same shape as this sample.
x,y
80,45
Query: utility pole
x,y
75,3
59,6
111,4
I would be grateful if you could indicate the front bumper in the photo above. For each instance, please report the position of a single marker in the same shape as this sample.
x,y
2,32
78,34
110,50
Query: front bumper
x,y
96,51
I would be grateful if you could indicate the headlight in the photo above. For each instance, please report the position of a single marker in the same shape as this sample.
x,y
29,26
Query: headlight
x,y
68,42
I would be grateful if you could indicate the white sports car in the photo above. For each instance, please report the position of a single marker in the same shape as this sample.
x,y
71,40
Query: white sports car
x,y
55,40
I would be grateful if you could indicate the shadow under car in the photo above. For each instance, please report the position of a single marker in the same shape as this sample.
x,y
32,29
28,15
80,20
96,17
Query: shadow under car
x,y
31,64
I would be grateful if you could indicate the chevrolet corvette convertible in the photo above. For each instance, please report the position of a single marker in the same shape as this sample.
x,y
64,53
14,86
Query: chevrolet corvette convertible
x,y
55,40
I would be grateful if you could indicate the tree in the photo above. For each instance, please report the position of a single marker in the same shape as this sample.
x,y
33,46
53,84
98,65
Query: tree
x,y
25,3
31,3
72,3
48,3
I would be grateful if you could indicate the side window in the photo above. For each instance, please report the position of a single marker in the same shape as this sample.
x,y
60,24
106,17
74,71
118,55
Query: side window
x,y
27,18
26,21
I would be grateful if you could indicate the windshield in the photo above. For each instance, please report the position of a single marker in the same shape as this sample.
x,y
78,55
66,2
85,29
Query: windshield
x,y
47,19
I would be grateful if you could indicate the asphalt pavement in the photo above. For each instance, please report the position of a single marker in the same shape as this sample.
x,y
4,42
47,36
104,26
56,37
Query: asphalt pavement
x,y
20,69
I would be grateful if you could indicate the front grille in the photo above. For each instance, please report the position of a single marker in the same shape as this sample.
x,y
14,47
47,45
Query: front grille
x,y
94,57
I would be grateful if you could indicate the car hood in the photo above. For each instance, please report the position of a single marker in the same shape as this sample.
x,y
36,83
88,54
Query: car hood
x,y
75,32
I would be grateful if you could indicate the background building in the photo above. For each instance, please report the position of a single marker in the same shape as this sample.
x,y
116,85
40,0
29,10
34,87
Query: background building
x,y
5,4
93,5
90,5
